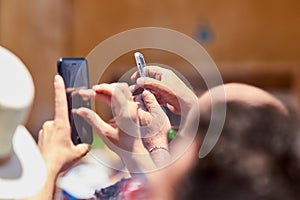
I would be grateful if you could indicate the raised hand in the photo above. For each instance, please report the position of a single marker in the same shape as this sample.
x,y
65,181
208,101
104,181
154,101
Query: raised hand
x,y
54,140
55,143
168,89
122,133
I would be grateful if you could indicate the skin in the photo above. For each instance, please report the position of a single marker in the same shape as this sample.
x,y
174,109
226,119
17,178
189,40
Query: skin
x,y
57,132
123,132
161,83
55,142
59,151
120,134
127,109
155,125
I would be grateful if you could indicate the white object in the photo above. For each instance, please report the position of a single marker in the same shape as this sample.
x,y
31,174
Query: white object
x,y
83,180
22,168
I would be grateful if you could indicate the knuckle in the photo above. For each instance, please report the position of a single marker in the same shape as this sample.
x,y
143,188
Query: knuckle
x,y
61,125
47,125
122,85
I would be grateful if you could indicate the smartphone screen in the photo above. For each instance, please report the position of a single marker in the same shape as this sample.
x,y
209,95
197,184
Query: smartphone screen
x,y
75,74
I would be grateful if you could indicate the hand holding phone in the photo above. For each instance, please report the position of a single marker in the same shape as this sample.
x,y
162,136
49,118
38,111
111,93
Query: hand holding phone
x,y
75,74
140,63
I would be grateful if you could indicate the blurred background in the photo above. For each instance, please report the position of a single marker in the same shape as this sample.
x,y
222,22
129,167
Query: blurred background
x,y
251,41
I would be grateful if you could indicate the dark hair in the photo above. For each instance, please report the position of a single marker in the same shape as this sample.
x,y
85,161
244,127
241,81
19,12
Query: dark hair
x,y
254,157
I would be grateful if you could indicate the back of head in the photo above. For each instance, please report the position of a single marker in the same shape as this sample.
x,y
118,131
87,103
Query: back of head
x,y
253,155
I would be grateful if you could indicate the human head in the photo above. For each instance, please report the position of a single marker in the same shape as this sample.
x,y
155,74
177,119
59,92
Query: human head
x,y
254,153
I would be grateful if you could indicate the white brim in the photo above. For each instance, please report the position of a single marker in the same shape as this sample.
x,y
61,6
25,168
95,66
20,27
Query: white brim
x,y
25,173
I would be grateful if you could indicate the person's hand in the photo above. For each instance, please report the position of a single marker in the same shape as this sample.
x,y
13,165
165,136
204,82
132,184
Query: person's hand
x,y
122,133
54,139
168,89
153,120
123,130
154,128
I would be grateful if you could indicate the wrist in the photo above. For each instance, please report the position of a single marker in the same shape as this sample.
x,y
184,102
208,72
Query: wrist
x,y
160,155
138,147
149,143
188,103
138,162
53,169
52,165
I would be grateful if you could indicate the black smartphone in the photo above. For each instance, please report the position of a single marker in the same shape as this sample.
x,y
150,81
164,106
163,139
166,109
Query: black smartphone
x,y
75,74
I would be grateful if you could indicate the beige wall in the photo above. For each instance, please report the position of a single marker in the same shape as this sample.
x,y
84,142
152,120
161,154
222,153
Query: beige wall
x,y
243,30
253,41
35,31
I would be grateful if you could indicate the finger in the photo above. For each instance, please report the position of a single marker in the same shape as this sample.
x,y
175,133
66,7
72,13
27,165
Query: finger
x,y
103,98
87,93
40,138
149,99
144,117
105,88
173,109
47,125
135,76
115,94
90,93
139,100
152,84
151,103
83,149
119,99
61,105
104,92
101,127
163,93
132,88
154,72
150,71
125,90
